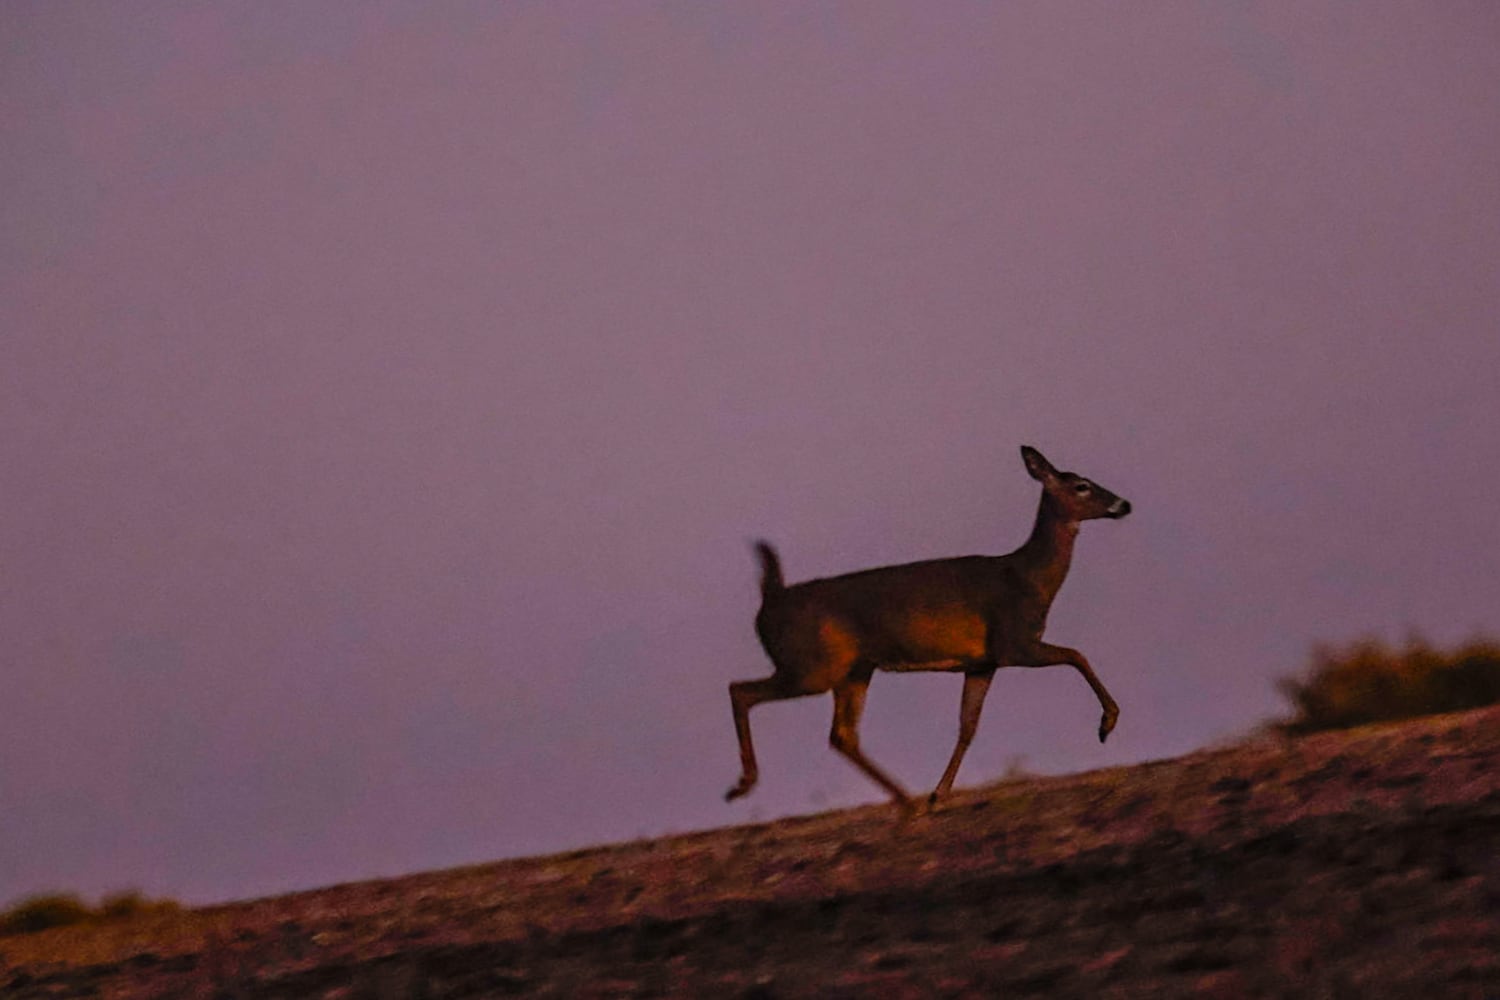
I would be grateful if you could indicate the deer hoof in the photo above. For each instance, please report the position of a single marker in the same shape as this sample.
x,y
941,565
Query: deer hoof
x,y
740,788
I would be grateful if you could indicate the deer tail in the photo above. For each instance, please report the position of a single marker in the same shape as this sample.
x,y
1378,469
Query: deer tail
x,y
771,583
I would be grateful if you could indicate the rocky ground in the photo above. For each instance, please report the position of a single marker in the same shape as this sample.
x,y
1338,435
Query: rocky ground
x,y
1358,864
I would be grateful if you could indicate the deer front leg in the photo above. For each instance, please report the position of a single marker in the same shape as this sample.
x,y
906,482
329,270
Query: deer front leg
x,y
1048,655
976,686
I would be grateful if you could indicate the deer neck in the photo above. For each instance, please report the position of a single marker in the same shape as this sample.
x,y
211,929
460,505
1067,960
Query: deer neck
x,y
1045,557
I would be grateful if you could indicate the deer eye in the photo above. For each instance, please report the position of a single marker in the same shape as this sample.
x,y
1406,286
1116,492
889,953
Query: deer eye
x,y
1082,488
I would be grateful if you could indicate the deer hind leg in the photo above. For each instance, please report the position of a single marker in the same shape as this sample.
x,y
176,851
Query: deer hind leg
x,y
808,660
976,686
743,696
848,706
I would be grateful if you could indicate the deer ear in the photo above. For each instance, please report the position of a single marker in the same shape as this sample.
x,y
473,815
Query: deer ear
x,y
1037,464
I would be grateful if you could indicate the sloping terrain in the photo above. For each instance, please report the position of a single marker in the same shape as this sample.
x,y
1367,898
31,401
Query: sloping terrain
x,y
1360,864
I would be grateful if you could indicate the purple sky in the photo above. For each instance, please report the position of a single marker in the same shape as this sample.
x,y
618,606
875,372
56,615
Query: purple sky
x,y
390,392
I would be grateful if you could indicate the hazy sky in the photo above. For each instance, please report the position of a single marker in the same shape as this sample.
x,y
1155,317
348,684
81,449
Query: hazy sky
x,y
390,392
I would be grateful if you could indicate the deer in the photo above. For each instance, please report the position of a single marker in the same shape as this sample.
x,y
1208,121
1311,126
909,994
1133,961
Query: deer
x,y
967,614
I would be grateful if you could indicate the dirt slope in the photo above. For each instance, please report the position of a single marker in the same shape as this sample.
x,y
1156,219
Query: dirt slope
x,y
1352,864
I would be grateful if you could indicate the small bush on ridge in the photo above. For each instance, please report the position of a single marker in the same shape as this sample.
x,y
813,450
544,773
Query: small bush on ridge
x,y
43,912
131,903
1369,681
40,913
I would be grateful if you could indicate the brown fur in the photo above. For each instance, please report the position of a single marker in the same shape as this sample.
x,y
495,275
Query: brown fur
x,y
970,614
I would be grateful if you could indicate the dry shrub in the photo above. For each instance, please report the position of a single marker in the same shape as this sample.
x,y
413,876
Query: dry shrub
x,y
40,913
131,903
1369,681
61,909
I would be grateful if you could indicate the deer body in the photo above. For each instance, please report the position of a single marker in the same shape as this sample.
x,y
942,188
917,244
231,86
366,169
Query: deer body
x,y
970,614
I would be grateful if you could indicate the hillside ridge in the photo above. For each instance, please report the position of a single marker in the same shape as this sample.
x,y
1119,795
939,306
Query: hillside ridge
x,y
1359,860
